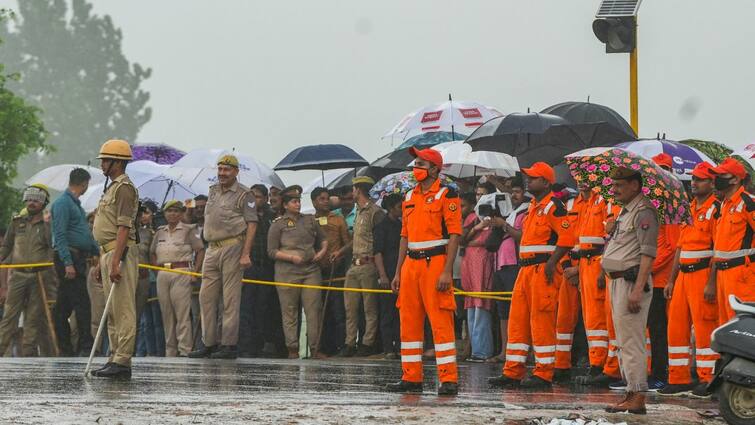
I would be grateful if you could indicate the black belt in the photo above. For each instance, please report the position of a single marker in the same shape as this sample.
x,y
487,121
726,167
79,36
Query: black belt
x,y
589,253
734,262
536,259
420,254
575,255
691,268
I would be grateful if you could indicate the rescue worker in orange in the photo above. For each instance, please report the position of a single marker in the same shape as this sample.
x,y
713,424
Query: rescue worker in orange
x,y
431,228
568,295
692,292
734,243
532,320
596,304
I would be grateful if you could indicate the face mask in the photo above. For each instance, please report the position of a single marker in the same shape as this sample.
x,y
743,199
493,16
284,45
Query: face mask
x,y
722,183
420,173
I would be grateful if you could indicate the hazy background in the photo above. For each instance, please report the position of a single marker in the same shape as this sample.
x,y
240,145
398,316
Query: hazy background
x,y
266,77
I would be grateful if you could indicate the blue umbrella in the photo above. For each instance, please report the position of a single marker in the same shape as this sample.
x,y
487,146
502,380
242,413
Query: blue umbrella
x,y
321,157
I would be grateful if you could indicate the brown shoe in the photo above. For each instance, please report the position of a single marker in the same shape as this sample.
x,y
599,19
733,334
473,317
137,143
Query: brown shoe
x,y
293,353
632,403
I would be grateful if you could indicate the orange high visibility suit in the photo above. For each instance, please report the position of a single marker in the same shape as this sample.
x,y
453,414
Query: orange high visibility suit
x,y
568,294
592,239
688,306
668,236
428,218
734,252
532,318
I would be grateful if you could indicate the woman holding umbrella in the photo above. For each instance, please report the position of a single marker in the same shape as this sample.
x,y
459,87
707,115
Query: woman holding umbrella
x,y
297,244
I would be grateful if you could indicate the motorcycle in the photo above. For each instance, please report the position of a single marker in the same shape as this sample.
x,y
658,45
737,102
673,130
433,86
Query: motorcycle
x,y
734,374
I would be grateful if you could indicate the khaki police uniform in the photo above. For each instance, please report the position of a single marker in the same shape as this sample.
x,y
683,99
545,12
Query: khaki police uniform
x,y
635,234
146,234
25,242
225,221
363,275
297,235
118,208
174,249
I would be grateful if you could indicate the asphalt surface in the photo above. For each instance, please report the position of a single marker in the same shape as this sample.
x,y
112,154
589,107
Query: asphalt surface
x,y
336,391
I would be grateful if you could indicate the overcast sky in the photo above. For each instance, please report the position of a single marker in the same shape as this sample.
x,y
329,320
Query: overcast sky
x,y
266,77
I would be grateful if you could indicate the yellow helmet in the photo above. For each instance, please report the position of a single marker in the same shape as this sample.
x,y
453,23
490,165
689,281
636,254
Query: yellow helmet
x,y
116,149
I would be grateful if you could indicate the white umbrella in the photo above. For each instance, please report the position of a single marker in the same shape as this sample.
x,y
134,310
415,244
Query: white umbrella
x,y
56,177
459,161
453,116
197,170
747,153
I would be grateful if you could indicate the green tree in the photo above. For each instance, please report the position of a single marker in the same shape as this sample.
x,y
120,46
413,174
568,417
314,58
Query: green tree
x,y
21,133
72,67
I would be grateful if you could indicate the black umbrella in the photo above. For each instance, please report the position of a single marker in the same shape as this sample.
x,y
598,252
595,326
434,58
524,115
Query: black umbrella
x,y
376,173
321,157
591,113
549,146
517,123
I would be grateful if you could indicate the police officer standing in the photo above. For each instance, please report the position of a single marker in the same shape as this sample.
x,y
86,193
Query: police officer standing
x,y
28,240
230,223
628,261
115,232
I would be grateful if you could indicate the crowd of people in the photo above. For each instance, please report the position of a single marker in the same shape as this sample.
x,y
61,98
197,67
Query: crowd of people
x,y
596,285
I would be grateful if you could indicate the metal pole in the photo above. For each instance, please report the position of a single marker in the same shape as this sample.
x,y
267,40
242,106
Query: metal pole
x,y
98,338
51,327
633,88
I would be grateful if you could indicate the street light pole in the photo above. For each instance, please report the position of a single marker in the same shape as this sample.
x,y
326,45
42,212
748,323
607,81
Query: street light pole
x,y
633,88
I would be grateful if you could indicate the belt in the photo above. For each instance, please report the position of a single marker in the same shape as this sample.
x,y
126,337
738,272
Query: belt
x,y
226,242
693,267
616,275
734,262
536,259
111,246
177,265
589,253
426,253
359,261
575,255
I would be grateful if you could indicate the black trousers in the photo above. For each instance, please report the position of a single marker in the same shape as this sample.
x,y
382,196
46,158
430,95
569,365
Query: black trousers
x,y
72,297
390,328
333,333
260,316
658,328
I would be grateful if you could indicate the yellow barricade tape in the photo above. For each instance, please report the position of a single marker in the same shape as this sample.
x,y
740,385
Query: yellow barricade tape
x,y
506,296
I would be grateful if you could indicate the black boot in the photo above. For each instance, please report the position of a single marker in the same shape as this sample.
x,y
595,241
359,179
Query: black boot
x,y
365,351
503,381
98,370
226,352
405,387
115,371
535,382
561,376
203,353
347,351
448,388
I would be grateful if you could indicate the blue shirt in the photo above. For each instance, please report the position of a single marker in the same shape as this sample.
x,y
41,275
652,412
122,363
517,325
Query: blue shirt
x,y
70,228
349,218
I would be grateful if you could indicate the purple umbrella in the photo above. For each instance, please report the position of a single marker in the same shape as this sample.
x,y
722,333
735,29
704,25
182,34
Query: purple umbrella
x,y
157,152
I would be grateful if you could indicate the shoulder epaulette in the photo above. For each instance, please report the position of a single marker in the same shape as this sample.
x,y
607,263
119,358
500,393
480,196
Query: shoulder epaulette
x,y
277,218
559,207
717,209
451,192
749,202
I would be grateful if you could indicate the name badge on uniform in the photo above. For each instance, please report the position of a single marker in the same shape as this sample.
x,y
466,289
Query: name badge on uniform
x,y
323,221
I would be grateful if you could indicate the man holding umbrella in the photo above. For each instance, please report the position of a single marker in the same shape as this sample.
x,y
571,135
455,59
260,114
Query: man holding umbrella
x,y
430,238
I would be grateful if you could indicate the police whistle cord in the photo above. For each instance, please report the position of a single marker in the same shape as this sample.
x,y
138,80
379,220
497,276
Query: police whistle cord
x,y
494,295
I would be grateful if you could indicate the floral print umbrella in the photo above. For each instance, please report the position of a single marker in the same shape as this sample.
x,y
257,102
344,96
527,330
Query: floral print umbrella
x,y
401,183
665,191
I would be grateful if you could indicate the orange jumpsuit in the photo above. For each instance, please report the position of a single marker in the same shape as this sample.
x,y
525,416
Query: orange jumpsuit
x,y
668,236
734,252
532,318
428,220
568,294
688,306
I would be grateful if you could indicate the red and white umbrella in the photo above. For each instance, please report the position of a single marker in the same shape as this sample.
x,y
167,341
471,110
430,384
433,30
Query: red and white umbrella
x,y
747,153
453,116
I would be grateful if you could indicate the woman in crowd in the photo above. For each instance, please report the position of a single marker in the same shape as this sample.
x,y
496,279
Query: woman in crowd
x,y
297,243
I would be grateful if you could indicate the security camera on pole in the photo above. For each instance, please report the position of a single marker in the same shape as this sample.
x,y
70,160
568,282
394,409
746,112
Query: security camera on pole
x,y
615,25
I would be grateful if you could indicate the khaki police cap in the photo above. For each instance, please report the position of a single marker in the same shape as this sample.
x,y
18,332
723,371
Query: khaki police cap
x,y
363,179
623,173
173,203
230,160
292,191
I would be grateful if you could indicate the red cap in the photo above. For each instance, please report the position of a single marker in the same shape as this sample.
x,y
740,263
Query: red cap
x,y
541,169
730,166
702,170
664,160
430,155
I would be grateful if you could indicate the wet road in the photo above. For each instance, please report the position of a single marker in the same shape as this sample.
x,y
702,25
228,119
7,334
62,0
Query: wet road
x,y
283,391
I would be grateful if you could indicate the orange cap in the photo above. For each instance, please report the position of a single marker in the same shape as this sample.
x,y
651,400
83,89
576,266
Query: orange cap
x,y
702,170
430,155
541,169
730,166
664,160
